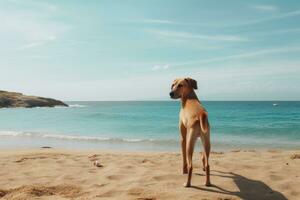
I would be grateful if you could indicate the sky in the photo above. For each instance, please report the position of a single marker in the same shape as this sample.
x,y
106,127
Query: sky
x,y
133,49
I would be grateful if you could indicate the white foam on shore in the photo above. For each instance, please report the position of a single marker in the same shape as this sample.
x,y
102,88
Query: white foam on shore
x,y
77,106
79,138
223,143
72,106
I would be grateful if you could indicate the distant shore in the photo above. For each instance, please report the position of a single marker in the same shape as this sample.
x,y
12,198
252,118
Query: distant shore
x,y
19,100
48,173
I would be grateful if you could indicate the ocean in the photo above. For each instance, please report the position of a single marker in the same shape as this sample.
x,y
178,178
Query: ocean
x,y
150,125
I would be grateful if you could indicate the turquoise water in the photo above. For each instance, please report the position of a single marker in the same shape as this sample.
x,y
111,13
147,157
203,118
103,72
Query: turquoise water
x,y
150,125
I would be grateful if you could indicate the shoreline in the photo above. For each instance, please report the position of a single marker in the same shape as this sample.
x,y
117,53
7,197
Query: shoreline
x,y
142,151
50,173
27,140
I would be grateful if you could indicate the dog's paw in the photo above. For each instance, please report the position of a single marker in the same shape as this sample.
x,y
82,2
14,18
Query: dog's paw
x,y
187,185
208,184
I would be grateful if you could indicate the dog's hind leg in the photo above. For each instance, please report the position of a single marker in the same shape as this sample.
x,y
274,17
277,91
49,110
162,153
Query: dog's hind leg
x,y
206,147
203,160
191,138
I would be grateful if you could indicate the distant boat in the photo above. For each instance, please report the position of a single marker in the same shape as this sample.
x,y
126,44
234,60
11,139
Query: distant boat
x,y
275,104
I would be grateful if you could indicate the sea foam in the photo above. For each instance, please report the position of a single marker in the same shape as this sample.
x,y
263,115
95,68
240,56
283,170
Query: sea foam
x,y
81,138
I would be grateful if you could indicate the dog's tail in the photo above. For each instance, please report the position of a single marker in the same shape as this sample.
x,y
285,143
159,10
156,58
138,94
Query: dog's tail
x,y
204,124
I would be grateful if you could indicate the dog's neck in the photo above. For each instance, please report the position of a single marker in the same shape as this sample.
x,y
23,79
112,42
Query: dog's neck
x,y
190,96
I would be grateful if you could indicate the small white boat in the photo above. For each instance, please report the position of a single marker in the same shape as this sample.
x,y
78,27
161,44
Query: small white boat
x,y
275,104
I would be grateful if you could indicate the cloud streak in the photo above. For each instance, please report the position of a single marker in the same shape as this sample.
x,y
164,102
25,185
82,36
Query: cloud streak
x,y
36,44
272,18
160,67
265,8
30,45
240,56
158,21
278,32
187,35
245,23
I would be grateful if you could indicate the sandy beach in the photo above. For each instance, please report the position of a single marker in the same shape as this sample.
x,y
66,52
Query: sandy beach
x,y
65,174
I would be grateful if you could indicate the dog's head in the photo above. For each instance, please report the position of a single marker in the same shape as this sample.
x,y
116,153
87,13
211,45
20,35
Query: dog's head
x,y
182,87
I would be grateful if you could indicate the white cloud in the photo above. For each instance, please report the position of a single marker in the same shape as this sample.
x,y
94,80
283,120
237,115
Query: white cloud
x,y
158,21
265,7
36,44
160,67
30,45
168,22
186,35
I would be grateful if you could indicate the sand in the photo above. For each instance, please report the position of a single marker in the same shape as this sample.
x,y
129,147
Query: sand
x,y
64,174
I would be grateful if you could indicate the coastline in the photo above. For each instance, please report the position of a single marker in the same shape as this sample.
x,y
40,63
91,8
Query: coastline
x,y
39,173
28,140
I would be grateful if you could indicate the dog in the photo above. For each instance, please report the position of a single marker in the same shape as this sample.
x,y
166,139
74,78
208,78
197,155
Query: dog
x,y
193,123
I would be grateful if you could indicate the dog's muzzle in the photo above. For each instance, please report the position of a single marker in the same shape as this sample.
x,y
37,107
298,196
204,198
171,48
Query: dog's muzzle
x,y
172,94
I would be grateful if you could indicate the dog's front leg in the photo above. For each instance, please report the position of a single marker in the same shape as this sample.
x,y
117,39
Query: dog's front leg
x,y
183,147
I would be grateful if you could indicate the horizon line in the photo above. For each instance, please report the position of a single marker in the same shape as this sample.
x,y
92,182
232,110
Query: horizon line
x,y
281,100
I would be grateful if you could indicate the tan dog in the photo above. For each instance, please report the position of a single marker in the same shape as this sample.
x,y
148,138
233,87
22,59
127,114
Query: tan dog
x,y
193,123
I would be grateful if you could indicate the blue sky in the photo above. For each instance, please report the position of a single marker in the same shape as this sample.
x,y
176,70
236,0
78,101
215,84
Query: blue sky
x,y
133,49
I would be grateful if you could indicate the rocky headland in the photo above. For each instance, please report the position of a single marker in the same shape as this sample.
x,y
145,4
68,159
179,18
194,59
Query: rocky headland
x,y
15,99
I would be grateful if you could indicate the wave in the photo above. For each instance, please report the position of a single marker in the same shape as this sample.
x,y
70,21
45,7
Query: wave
x,y
221,143
77,106
82,138
70,106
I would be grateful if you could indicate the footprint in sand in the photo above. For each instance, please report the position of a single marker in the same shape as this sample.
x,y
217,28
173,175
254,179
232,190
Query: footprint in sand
x,y
115,177
146,198
30,158
135,191
166,177
61,161
92,171
110,193
11,179
147,161
100,185
128,167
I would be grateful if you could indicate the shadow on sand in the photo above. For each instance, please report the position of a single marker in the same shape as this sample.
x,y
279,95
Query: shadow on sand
x,y
248,189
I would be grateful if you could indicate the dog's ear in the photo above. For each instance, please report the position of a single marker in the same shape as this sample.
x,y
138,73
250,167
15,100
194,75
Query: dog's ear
x,y
192,83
